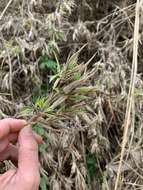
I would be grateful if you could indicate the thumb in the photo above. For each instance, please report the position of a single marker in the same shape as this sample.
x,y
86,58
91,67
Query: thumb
x,y
28,164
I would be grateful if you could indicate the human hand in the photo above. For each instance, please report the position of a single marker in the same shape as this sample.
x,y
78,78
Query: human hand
x,y
26,176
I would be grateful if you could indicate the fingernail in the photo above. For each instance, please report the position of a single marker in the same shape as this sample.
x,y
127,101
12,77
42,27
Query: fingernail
x,y
23,122
38,138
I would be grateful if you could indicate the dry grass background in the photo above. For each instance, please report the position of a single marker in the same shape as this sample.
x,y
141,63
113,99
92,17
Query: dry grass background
x,y
87,102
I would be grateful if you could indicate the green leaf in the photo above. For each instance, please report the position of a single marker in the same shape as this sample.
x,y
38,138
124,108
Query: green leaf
x,y
43,182
41,131
77,76
86,90
91,161
38,129
42,147
53,77
26,110
46,63
41,103
44,88
79,97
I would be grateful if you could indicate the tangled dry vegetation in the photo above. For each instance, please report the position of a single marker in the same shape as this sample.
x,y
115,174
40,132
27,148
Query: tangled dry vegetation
x,y
69,68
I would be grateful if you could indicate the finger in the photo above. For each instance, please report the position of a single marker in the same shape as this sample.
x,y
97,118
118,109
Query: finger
x,y
38,138
3,144
14,136
11,152
7,176
28,155
9,125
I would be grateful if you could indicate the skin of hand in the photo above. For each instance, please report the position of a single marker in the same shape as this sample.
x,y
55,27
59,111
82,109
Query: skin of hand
x,y
26,176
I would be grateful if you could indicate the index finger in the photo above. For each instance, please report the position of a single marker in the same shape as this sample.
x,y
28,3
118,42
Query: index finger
x,y
10,125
